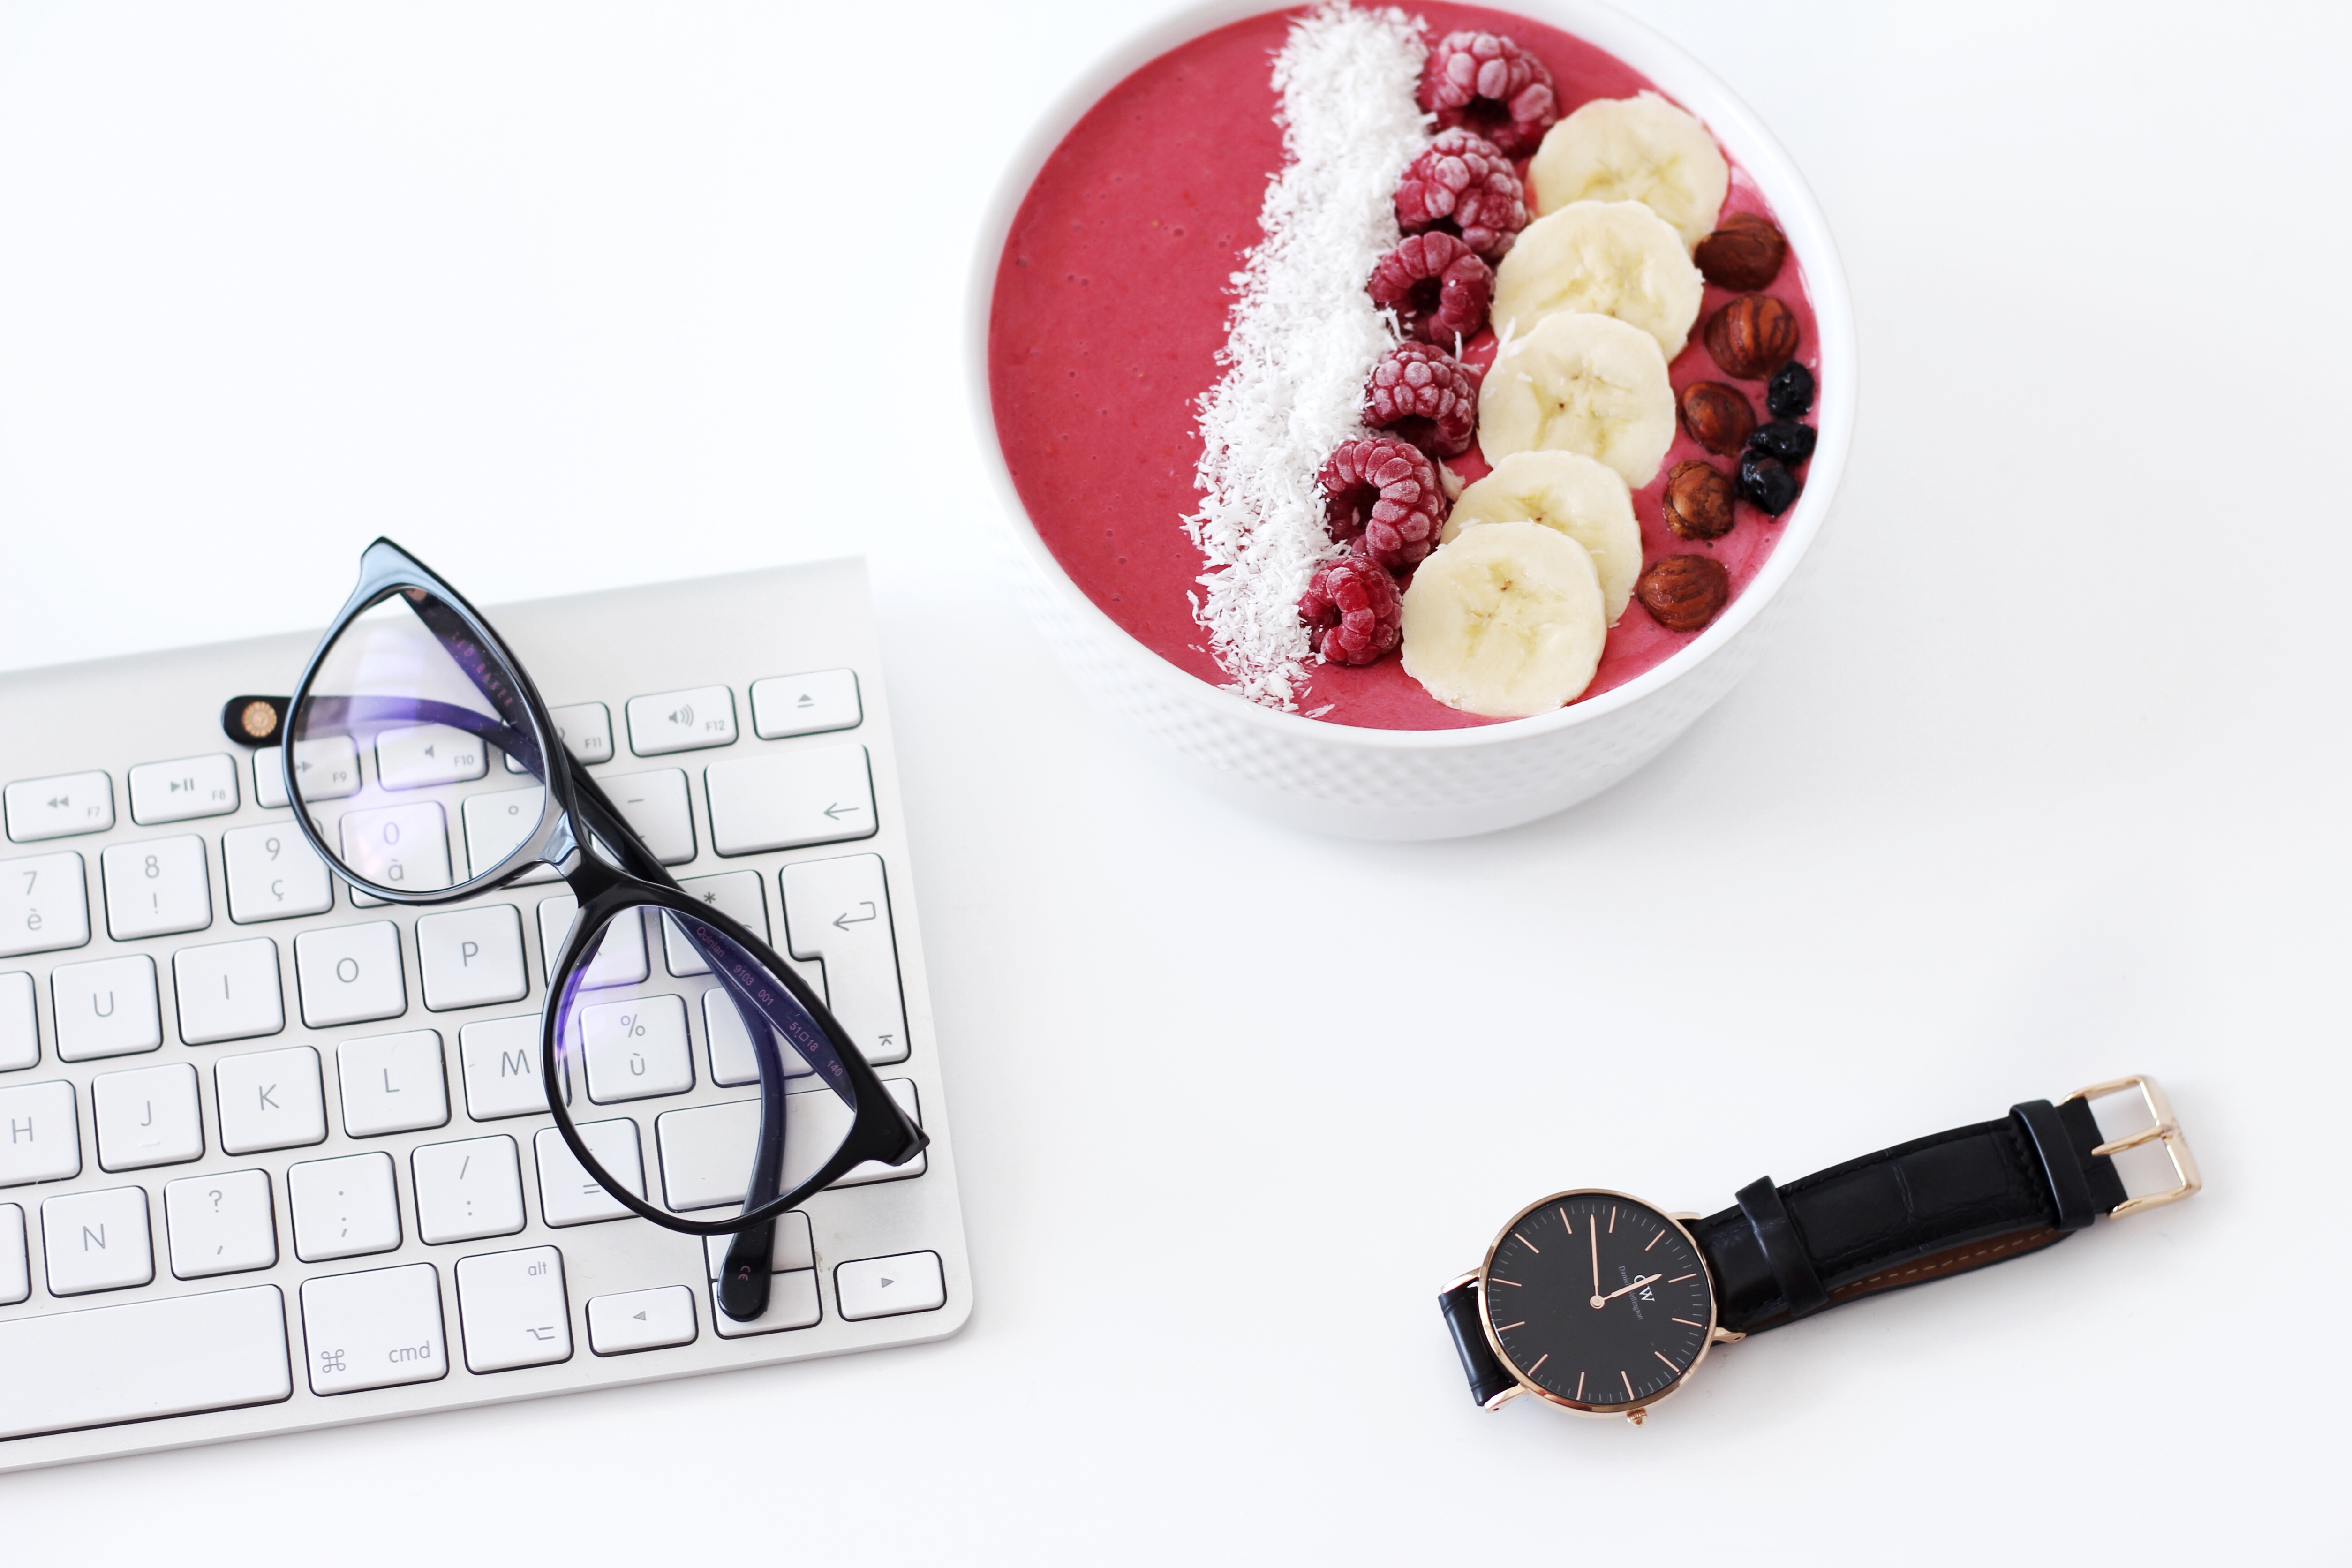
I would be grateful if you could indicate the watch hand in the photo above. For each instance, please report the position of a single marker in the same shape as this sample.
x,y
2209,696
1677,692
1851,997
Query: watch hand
x,y
1595,1237
1637,1285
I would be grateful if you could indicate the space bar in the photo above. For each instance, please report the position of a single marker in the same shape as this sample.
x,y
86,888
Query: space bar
x,y
142,1359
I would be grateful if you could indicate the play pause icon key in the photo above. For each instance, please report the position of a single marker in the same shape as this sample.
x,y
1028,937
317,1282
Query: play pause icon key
x,y
641,1320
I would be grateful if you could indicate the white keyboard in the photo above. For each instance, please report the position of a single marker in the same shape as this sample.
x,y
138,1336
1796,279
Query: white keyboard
x,y
270,1162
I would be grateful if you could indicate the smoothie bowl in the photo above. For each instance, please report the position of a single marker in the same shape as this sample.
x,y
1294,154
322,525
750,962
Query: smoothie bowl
x,y
1408,414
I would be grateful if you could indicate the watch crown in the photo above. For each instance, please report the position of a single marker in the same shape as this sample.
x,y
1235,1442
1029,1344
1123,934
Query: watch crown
x,y
1636,1415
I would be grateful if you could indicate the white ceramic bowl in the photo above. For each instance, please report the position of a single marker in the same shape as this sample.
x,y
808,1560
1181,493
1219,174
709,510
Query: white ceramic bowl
x,y
1430,783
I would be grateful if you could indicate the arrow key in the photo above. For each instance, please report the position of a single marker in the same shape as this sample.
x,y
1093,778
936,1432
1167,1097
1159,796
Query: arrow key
x,y
641,1320
889,1286
820,794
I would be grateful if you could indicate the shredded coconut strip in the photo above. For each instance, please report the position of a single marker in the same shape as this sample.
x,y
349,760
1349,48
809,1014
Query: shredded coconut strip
x,y
1303,337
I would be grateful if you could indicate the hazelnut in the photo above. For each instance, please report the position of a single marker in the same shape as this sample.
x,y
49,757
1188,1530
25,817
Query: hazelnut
x,y
1751,336
1743,255
1697,500
1718,417
1683,591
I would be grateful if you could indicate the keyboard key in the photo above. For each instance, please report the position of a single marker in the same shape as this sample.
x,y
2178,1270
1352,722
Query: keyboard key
x,y
513,1309
653,805
471,957
886,1287
839,910
497,823
621,957
641,1320
221,1224
706,1152
59,808
157,887
805,704
44,904
106,1008
270,1099
40,1136
147,1117
328,768
397,846
20,1034
731,1061
331,770
274,874
468,1190
97,1241
417,755
586,730
343,1208
568,1194
230,991
736,894
637,1049
500,1061
821,795
350,974
374,1329
393,1083
682,720
796,1247
16,1263
144,1360
182,790
792,1304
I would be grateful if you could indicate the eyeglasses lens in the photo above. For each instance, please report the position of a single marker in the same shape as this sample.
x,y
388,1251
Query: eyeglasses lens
x,y
666,1080
413,751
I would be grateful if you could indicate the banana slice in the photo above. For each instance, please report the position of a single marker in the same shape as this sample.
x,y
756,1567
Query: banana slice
x,y
1639,149
1612,258
1504,622
1579,497
1585,383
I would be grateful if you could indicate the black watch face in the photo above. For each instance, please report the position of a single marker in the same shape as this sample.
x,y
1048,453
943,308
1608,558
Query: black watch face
x,y
1599,1300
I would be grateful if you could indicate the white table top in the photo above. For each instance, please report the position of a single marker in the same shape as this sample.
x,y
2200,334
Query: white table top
x,y
2044,782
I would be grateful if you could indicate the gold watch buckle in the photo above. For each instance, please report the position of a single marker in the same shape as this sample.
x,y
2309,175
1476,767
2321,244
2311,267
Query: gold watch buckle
x,y
2166,1127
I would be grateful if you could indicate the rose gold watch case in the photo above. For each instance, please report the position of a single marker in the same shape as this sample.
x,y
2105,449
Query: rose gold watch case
x,y
1632,1409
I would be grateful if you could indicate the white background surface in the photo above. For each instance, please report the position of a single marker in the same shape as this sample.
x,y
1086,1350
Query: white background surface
x,y
2044,782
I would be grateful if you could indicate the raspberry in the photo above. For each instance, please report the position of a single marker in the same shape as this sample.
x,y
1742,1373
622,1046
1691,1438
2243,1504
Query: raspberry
x,y
1436,285
1383,491
1425,396
1485,81
1463,185
1353,610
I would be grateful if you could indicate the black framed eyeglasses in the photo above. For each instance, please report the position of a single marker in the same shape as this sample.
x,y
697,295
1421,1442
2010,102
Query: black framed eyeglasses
x,y
413,730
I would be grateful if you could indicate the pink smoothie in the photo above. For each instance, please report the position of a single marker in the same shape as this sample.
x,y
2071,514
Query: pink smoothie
x,y
1111,302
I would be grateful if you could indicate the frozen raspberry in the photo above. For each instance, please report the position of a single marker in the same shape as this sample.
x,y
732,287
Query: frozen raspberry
x,y
1352,610
1425,395
1485,81
1436,285
1463,185
1385,493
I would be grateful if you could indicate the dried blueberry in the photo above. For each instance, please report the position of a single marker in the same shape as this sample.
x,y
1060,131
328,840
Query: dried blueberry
x,y
1783,438
1766,482
1792,392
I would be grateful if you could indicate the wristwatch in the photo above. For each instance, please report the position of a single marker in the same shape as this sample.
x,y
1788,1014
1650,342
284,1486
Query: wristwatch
x,y
1600,1303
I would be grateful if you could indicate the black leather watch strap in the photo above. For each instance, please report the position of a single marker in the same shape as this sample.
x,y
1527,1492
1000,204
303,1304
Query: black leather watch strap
x,y
1487,1375
1920,1211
